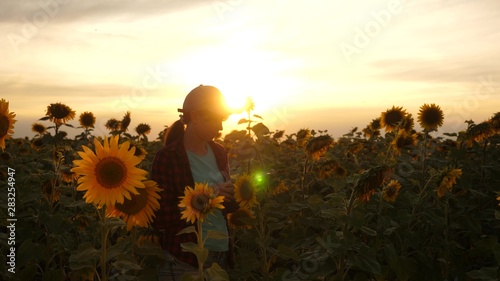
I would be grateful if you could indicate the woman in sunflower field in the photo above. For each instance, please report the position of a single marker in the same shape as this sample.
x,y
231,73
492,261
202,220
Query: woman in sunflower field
x,y
189,155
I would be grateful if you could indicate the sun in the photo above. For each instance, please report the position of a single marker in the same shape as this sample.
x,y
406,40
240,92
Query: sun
x,y
239,71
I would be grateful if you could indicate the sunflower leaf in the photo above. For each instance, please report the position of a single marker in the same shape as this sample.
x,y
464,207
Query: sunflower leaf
x,y
214,234
189,229
85,256
242,120
260,129
216,273
485,273
44,118
287,252
189,247
124,262
68,125
114,223
369,231
258,116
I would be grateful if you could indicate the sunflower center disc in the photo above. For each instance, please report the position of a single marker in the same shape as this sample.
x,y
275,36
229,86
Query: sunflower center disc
x,y
237,216
110,172
246,191
4,125
135,204
393,118
432,117
59,112
87,120
199,202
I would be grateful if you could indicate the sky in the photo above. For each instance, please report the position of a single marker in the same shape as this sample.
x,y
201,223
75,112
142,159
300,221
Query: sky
x,y
324,65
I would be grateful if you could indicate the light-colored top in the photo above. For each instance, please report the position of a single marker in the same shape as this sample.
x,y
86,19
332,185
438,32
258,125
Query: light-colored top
x,y
204,169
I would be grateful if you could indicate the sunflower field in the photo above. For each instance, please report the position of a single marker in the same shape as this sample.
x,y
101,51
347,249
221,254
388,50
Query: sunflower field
x,y
385,202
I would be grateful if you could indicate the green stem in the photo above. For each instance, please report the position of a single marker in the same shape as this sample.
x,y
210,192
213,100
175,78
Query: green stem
x,y
446,237
483,161
262,236
303,177
420,198
341,266
424,156
104,239
199,235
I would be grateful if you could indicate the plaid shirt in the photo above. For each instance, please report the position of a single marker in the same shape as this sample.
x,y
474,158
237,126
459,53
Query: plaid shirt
x,y
172,172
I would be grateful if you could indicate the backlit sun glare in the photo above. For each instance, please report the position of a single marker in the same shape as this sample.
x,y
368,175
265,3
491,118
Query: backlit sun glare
x,y
239,73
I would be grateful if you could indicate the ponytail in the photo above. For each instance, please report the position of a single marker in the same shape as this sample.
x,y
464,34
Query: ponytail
x,y
173,133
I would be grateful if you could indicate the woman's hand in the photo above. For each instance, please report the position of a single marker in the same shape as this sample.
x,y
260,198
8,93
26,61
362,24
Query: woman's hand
x,y
225,189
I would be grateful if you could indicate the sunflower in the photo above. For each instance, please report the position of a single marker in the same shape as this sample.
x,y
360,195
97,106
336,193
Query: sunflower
x,y
19,141
495,122
375,124
446,145
407,123
354,148
340,171
372,130
38,128
245,192
281,188
498,199
199,202
125,121
113,124
109,175
448,179
391,191
249,104
326,169
391,118
148,238
60,113
278,134
370,180
87,120
430,117
139,151
318,146
403,139
82,221
369,133
6,122
479,132
68,176
303,136
50,191
139,209
241,218
37,144
143,129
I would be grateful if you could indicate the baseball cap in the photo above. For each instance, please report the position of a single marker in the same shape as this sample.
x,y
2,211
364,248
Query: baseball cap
x,y
207,98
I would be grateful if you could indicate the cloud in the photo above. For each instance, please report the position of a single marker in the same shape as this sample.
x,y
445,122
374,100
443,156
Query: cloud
x,y
446,70
79,10
52,91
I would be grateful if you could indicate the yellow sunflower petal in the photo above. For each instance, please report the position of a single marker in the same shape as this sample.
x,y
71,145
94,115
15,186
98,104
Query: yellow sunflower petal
x,y
108,175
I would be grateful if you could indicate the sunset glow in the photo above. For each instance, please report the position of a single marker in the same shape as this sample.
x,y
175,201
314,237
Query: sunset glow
x,y
302,64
